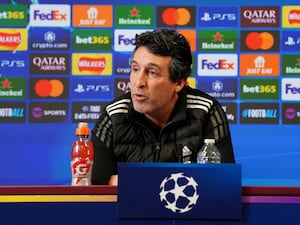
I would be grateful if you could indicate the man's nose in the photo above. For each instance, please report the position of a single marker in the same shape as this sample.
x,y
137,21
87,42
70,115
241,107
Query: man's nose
x,y
140,79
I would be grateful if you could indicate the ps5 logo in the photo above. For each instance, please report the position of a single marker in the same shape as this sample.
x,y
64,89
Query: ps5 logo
x,y
91,88
218,16
12,63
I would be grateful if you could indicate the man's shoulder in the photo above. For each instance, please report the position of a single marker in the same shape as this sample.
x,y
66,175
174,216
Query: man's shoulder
x,y
197,99
120,105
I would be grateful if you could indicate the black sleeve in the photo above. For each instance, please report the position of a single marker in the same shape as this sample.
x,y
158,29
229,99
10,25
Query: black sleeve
x,y
218,128
105,164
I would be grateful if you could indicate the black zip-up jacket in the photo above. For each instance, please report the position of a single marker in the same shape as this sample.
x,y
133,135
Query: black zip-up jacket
x,y
123,135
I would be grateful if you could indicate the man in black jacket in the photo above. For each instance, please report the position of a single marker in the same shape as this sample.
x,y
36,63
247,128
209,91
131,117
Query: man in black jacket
x,y
161,115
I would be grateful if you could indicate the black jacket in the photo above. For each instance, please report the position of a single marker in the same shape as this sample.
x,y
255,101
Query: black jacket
x,y
123,135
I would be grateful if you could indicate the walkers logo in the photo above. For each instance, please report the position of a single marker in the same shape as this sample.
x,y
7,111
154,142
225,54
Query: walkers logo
x,y
13,112
219,88
137,16
260,16
13,15
259,40
291,65
179,16
290,113
290,89
264,89
12,64
190,35
124,39
92,39
48,112
290,16
55,88
49,64
218,16
91,64
49,39
47,15
290,41
122,63
231,112
259,113
217,40
13,39
91,88
217,64
86,111
92,15
259,64
12,88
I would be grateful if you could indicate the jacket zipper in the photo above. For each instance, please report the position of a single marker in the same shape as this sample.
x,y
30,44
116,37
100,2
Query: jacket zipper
x,y
157,151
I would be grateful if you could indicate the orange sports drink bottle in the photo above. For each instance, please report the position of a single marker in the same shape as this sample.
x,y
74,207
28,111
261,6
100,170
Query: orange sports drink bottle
x,y
82,156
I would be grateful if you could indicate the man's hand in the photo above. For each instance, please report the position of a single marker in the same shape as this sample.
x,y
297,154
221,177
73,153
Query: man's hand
x,y
113,180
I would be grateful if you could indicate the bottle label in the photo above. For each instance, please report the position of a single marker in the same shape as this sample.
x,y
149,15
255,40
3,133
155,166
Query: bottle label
x,y
81,170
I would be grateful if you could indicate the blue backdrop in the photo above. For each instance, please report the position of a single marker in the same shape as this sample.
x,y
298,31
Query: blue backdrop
x,y
37,125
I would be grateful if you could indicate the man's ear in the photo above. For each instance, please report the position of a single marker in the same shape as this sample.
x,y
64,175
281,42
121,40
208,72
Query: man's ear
x,y
180,84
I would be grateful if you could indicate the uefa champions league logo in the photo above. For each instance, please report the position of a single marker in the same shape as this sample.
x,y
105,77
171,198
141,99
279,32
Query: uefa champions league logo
x,y
179,193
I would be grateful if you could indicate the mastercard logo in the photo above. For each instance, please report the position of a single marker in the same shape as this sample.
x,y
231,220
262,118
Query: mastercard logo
x,y
176,16
49,88
259,40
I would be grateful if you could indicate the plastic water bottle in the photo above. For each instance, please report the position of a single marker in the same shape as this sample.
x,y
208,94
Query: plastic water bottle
x,y
209,153
82,157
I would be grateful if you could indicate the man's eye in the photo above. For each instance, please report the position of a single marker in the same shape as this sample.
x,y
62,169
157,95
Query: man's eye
x,y
153,73
134,69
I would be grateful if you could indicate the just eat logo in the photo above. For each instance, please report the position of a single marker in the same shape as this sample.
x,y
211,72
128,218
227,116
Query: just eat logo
x,y
50,15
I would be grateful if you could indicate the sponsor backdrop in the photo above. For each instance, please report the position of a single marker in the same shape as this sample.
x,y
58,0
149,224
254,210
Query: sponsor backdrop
x,y
62,61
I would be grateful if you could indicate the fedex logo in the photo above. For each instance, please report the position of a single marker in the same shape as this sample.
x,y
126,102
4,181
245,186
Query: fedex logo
x,y
217,64
46,15
290,89
124,39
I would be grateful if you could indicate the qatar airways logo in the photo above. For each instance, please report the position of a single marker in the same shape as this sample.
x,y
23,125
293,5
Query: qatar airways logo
x,y
217,64
48,15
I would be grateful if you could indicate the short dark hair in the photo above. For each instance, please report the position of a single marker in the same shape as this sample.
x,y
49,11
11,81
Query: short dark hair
x,y
168,42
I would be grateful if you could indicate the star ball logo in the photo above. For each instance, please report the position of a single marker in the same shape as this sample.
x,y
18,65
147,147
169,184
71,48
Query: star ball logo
x,y
179,193
180,16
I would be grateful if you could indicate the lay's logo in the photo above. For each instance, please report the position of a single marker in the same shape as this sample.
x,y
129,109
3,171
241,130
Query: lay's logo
x,y
13,39
92,64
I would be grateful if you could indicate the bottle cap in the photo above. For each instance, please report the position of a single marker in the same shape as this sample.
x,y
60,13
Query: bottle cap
x,y
209,141
82,129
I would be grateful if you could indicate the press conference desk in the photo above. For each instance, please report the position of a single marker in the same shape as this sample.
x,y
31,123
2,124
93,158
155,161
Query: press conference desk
x,y
66,205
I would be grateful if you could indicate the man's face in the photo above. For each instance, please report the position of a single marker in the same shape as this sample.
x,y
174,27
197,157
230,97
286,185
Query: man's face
x,y
152,91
